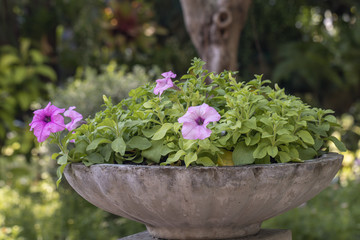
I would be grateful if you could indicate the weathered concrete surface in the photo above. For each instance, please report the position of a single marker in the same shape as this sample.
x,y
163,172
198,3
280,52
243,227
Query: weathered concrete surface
x,y
202,202
264,234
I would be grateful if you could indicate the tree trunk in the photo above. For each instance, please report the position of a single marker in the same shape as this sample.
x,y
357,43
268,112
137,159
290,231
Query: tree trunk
x,y
214,27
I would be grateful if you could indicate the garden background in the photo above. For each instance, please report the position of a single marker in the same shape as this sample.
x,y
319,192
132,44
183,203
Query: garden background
x,y
73,52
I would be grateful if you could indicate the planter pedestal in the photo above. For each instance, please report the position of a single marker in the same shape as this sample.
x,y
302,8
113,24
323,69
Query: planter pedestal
x,y
264,234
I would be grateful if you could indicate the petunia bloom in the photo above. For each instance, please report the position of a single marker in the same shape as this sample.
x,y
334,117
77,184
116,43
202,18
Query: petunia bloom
x,y
46,121
195,121
165,83
75,118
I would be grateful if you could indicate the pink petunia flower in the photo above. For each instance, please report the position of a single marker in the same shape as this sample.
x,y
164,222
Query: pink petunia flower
x,y
195,121
46,121
75,118
165,83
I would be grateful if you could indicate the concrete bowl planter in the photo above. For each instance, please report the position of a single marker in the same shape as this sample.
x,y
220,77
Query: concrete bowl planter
x,y
202,202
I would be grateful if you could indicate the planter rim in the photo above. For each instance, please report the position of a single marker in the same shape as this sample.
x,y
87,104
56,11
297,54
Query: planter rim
x,y
324,158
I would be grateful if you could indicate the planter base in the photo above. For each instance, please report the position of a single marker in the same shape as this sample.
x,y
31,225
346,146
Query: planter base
x,y
264,234
223,232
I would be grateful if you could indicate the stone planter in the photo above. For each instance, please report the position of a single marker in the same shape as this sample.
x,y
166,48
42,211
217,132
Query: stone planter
x,y
202,202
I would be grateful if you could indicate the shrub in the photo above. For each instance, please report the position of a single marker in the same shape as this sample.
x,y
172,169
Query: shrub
x,y
334,214
86,89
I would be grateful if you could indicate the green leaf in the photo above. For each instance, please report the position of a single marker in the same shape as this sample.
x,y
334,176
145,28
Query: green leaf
x,y
318,144
86,163
265,160
205,161
272,151
237,125
205,144
149,104
189,158
54,156
46,72
138,159
247,140
62,160
306,137
284,157
252,140
151,131
243,154
95,158
106,152
80,147
236,136
307,153
188,144
59,173
187,76
251,123
224,139
317,130
267,121
119,146
267,135
244,130
337,143
156,150
177,126
94,144
139,143
330,118
7,59
260,151
175,157
325,127
284,139
294,153
162,131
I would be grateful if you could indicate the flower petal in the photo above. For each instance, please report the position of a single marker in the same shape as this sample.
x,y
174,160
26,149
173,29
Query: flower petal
x,y
162,85
190,116
168,74
209,114
75,118
194,131
42,132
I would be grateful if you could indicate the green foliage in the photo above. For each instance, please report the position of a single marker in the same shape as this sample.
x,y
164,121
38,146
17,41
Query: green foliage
x,y
326,63
41,212
334,214
264,124
86,88
24,80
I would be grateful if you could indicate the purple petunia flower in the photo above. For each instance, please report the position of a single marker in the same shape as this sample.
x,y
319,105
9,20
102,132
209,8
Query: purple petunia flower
x,y
47,121
165,83
195,121
75,118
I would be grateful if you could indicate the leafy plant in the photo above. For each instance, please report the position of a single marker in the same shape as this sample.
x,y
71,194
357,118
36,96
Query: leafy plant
x,y
258,124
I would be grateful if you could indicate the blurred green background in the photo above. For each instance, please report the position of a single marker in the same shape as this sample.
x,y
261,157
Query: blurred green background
x,y
73,52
